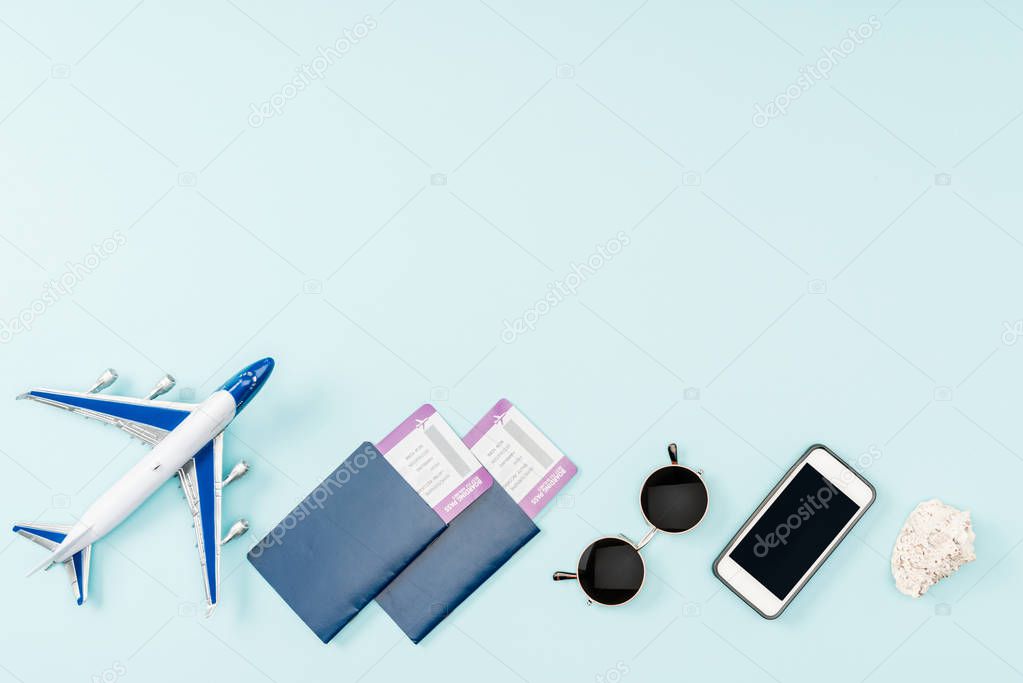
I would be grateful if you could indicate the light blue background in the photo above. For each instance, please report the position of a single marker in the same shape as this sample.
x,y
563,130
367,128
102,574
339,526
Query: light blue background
x,y
814,279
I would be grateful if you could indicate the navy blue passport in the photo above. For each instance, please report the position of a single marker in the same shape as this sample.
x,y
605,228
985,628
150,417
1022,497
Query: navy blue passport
x,y
345,541
475,545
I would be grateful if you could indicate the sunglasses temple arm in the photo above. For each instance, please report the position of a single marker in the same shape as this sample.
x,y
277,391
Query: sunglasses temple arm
x,y
564,576
673,453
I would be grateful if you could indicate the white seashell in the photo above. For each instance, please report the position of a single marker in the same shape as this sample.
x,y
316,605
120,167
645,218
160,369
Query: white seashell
x,y
934,543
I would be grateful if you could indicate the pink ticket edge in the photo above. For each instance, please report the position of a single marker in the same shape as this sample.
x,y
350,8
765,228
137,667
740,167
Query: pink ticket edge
x,y
548,488
405,428
487,423
554,480
469,490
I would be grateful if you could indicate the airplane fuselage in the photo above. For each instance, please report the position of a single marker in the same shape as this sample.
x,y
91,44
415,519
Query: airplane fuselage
x,y
207,421
186,440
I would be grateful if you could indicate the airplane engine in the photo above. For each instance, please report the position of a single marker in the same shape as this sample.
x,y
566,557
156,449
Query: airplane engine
x,y
104,381
165,384
236,530
237,472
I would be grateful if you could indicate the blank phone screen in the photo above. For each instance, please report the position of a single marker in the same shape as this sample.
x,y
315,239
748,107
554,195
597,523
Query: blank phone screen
x,y
794,531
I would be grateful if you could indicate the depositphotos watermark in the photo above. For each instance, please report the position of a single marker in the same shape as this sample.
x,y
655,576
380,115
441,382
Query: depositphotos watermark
x,y
75,272
614,674
811,74
808,506
1011,332
110,674
315,500
325,58
558,290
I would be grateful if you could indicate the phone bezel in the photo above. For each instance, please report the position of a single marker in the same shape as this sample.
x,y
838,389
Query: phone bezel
x,y
845,479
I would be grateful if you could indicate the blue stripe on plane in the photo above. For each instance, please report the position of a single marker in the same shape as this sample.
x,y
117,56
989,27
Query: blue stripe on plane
x,y
76,560
54,536
154,416
205,462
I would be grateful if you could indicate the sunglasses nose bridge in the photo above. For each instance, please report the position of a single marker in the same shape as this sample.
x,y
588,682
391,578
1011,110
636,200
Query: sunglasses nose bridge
x,y
646,539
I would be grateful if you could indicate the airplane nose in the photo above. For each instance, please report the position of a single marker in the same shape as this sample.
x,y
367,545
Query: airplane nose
x,y
247,383
262,368
261,372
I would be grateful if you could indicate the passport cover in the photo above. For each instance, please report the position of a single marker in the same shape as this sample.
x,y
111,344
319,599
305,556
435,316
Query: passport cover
x,y
475,545
350,537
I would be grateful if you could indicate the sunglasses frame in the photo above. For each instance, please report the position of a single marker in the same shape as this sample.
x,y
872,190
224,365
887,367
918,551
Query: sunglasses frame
x,y
653,531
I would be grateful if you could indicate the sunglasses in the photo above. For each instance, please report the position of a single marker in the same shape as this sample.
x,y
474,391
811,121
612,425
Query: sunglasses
x,y
674,499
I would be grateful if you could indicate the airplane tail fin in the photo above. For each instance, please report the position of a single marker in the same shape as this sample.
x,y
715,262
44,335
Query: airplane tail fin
x,y
52,537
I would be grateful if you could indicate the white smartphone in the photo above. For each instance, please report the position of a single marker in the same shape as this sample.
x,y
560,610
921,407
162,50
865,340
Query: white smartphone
x,y
801,521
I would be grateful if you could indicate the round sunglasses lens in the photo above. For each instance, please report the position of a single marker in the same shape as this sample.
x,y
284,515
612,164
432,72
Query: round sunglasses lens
x,y
611,571
674,499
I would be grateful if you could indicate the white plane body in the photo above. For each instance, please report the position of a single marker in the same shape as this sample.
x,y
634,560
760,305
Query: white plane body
x,y
187,441
206,422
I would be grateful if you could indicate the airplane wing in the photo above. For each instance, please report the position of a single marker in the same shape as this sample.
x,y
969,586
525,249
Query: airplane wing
x,y
202,482
201,478
146,420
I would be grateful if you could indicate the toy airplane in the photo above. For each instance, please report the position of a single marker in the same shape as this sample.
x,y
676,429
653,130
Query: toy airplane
x,y
187,440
